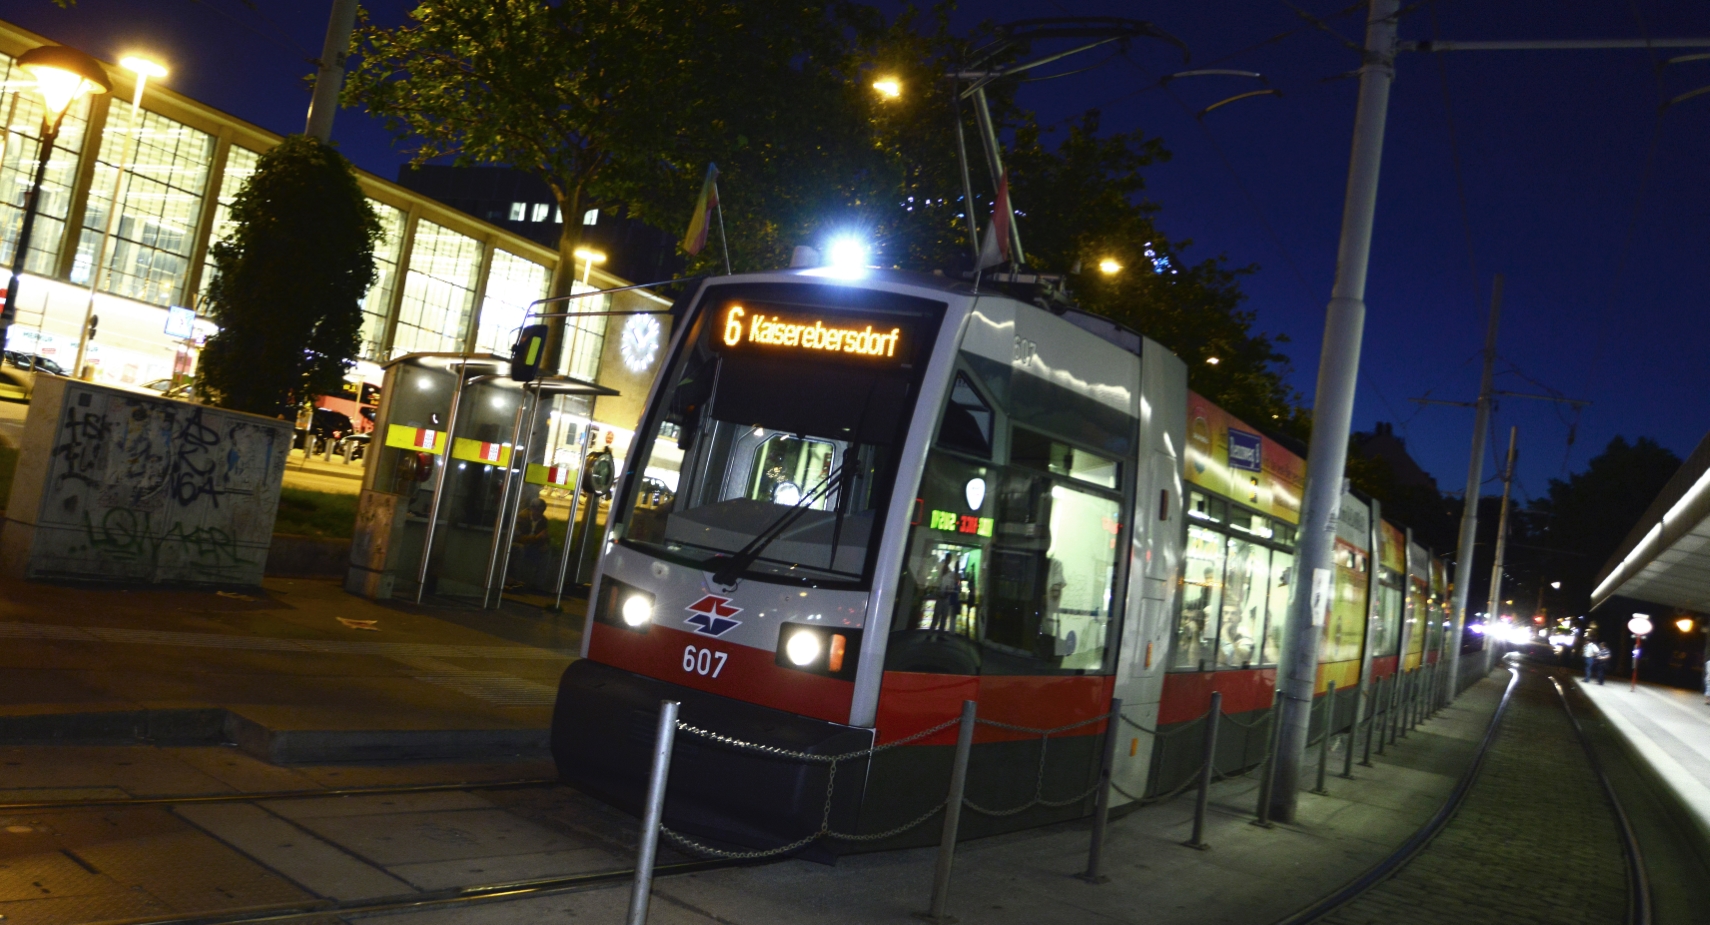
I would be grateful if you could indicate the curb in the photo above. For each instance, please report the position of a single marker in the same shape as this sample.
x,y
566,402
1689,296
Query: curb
x,y
216,726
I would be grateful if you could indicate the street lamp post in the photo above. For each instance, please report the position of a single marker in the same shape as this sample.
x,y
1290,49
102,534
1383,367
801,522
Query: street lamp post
x,y
63,76
143,69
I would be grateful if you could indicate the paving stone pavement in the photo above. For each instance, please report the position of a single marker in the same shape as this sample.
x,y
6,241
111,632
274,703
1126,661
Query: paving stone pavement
x,y
1535,841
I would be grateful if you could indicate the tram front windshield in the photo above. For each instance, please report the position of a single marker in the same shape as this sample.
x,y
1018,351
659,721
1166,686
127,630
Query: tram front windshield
x,y
779,430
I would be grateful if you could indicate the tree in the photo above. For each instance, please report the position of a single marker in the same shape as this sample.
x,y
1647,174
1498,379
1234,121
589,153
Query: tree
x,y
616,102
288,282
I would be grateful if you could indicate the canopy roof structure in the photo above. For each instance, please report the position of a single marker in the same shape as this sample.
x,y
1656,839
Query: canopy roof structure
x,y
1666,557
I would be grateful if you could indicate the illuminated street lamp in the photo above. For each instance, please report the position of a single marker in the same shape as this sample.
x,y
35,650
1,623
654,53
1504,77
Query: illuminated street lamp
x,y
63,76
589,257
1109,267
889,87
143,69
1684,624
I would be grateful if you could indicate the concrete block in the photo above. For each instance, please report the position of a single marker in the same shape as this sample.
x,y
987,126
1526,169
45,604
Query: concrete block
x,y
113,485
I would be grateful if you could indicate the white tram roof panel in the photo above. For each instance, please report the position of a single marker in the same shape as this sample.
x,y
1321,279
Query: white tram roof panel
x,y
1665,559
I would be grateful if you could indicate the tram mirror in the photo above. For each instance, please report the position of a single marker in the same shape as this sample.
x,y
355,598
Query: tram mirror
x,y
529,353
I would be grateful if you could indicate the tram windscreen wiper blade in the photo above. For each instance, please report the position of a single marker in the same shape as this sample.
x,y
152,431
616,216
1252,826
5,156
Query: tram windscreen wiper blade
x,y
730,569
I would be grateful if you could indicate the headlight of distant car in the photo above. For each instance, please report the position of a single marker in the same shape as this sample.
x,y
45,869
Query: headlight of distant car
x,y
824,650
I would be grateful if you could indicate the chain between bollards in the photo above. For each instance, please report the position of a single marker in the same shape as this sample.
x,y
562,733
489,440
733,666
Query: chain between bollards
x,y
937,914
642,890
1207,772
1101,815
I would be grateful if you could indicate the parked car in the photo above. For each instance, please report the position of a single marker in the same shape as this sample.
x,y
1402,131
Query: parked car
x,y
183,391
16,384
32,362
326,428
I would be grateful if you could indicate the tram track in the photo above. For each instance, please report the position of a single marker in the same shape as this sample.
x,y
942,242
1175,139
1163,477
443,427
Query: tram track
x,y
258,796
1343,904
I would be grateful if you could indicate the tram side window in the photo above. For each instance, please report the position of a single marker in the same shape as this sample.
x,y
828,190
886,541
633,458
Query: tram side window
x,y
1282,573
1245,596
1202,599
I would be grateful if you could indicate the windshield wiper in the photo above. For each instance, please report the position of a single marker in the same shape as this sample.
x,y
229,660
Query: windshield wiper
x,y
731,568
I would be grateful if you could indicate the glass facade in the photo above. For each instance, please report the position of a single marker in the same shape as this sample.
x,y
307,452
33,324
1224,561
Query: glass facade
x,y
22,110
160,205
439,291
377,304
512,284
1237,567
240,165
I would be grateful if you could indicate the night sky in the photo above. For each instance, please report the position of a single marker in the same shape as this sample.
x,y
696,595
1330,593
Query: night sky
x,y
1593,206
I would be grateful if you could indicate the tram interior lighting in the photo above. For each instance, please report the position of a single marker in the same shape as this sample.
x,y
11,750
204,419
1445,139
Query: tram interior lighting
x,y
803,647
637,610
848,254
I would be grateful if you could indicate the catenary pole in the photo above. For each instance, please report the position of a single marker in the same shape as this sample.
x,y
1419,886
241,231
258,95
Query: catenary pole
x,y
1501,544
1475,480
329,76
1333,405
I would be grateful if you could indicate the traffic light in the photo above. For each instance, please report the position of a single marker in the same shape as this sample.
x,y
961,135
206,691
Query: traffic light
x,y
529,353
93,321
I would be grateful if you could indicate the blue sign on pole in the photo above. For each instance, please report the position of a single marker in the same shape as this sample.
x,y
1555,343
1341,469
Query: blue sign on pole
x,y
1245,451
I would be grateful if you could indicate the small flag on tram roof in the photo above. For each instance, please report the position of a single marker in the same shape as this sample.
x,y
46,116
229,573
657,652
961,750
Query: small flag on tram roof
x,y
696,239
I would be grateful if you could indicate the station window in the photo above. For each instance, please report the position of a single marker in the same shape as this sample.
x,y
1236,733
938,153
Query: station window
x,y
512,283
240,166
18,164
519,211
160,205
439,290
540,212
377,302
1011,567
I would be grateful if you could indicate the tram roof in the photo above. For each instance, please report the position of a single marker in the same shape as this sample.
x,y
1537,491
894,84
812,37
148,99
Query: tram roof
x,y
1665,559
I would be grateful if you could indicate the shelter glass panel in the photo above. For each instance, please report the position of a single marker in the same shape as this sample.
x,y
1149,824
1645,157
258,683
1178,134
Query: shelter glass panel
x,y
585,333
160,206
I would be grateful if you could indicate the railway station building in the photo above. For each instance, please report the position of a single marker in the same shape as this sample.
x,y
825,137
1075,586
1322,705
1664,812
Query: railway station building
x,y
447,281
1665,558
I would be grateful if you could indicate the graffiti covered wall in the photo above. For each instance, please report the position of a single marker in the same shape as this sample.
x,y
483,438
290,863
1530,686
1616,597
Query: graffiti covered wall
x,y
113,485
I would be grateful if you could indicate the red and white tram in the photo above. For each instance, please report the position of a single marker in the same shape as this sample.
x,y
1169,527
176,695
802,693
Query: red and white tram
x,y
891,494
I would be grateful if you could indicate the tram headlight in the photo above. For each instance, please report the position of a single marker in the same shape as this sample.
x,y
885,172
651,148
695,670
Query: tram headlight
x,y
622,605
637,610
822,650
803,648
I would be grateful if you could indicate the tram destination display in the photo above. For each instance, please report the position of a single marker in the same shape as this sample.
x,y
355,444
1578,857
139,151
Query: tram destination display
x,y
750,327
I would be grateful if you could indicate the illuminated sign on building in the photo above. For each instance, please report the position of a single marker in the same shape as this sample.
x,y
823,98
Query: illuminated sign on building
x,y
752,326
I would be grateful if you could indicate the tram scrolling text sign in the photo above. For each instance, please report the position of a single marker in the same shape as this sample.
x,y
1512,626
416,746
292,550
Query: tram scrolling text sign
x,y
759,327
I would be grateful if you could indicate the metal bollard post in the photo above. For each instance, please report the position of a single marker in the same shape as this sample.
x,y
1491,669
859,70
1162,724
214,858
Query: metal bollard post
x,y
952,816
1382,728
1267,776
1405,716
1353,730
1371,722
1396,691
1101,815
642,891
1206,771
1326,736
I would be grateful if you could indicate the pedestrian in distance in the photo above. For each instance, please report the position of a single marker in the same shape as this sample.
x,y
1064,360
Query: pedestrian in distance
x,y
1603,657
1590,655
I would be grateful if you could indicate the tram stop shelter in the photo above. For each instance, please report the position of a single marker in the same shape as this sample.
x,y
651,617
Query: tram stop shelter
x,y
459,450
1666,557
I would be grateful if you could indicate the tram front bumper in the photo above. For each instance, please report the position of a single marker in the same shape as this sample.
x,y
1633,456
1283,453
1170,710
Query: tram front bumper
x,y
603,729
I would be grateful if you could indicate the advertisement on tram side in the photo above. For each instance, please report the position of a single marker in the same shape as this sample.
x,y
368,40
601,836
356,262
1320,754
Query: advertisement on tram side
x,y
1228,457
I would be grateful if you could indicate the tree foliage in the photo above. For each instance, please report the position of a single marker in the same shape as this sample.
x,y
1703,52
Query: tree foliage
x,y
627,102
288,281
